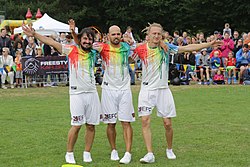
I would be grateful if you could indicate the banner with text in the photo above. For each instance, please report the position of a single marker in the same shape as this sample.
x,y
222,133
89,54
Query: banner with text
x,y
45,65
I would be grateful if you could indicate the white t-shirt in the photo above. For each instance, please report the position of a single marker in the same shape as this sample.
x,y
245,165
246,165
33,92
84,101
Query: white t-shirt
x,y
81,69
116,75
155,65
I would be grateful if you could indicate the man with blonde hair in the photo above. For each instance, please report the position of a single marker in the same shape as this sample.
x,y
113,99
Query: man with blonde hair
x,y
155,91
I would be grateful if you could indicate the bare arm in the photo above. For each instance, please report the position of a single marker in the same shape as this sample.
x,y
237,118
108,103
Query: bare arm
x,y
49,41
196,47
72,27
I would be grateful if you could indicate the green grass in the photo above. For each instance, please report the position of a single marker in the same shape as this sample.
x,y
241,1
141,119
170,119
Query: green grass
x,y
212,129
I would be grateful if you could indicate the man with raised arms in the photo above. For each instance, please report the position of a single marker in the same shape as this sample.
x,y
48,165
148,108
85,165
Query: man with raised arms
x,y
154,86
84,100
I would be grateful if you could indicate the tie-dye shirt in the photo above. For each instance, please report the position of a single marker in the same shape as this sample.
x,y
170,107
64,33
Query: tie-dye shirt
x,y
81,69
116,75
155,65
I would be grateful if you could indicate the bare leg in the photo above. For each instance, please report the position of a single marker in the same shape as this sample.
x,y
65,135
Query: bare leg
x,y
207,73
127,135
201,74
111,133
72,137
146,131
169,131
89,137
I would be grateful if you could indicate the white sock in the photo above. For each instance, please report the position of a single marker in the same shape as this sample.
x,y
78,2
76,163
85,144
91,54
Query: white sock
x,y
150,153
70,153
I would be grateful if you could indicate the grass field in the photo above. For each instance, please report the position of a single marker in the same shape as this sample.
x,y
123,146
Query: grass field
x,y
212,129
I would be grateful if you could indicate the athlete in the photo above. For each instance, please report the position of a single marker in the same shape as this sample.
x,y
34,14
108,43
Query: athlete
x,y
84,100
154,86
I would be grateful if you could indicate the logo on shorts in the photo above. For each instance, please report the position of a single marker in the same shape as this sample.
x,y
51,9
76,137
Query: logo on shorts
x,y
73,87
133,115
110,116
106,83
144,109
77,118
145,83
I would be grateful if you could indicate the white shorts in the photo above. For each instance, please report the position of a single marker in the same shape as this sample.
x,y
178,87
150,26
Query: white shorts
x,y
162,99
117,104
85,108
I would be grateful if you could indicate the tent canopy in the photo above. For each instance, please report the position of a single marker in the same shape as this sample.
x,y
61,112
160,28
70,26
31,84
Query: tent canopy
x,y
47,26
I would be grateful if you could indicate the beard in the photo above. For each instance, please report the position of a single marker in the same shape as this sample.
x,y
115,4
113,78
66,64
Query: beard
x,y
116,41
86,48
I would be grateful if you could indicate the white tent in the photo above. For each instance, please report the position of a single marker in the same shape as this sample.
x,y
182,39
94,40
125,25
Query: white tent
x,y
47,26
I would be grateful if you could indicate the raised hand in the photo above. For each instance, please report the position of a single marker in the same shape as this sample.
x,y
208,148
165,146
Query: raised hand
x,y
28,31
217,43
72,25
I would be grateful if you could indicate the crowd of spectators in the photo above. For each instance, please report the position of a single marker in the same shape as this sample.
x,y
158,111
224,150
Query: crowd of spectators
x,y
228,64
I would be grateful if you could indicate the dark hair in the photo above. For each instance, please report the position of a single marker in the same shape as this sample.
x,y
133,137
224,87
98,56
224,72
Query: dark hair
x,y
88,31
69,36
245,46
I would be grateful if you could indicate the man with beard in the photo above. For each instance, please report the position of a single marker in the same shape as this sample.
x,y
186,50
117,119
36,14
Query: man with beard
x,y
84,100
116,93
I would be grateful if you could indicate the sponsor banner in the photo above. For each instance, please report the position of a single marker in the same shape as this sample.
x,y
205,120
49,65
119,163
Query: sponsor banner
x,y
45,65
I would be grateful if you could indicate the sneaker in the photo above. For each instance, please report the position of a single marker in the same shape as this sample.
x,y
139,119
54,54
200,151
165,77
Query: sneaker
x,y
69,157
4,87
235,81
126,158
114,155
148,158
12,86
170,154
87,157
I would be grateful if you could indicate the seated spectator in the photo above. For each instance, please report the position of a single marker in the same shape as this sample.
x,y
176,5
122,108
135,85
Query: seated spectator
x,y
215,63
238,46
218,78
242,60
215,49
246,76
39,52
19,74
32,46
204,66
231,66
6,63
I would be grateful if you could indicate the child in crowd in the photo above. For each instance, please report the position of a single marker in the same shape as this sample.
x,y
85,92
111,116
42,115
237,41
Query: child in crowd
x,y
204,66
227,29
218,78
19,76
231,67
215,63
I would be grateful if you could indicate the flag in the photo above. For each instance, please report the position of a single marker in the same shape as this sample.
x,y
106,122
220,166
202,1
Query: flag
x,y
192,67
14,68
185,67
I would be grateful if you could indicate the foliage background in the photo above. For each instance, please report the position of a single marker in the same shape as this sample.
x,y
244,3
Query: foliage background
x,y
183,15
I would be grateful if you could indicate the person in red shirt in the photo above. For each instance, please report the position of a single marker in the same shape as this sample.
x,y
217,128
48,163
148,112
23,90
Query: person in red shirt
x,y
231,67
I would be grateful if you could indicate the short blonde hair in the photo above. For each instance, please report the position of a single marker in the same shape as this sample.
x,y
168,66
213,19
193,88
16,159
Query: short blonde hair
x,y
6,49
147,29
